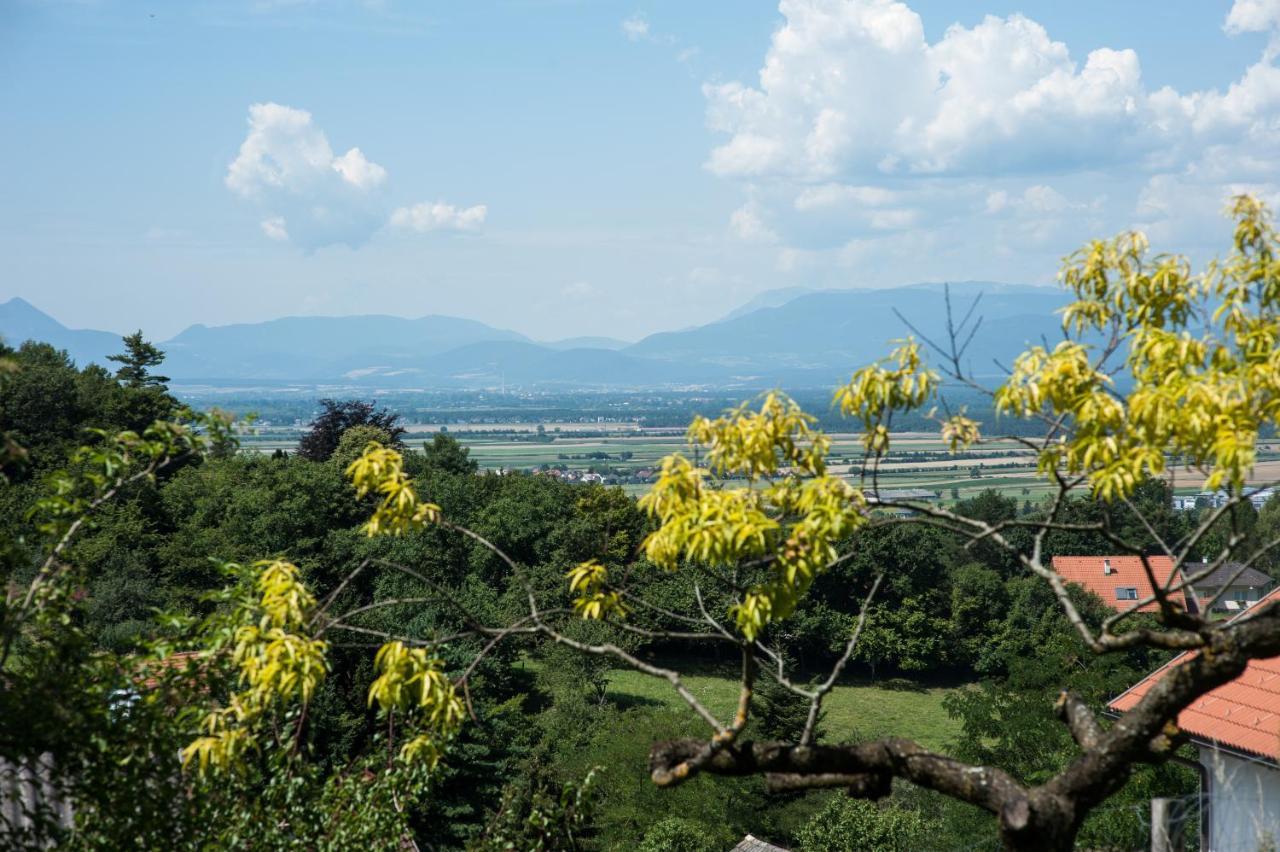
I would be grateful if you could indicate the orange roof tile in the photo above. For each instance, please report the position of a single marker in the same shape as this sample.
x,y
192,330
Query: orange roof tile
x,y
1243,715
151,671
1126,572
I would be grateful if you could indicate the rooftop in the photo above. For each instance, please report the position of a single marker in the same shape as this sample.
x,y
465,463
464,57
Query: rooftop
x,y
1110,577
1243,715
1223,574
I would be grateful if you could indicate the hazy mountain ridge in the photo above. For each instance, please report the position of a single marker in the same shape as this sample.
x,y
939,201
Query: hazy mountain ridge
x,y
844,328
810,338
20,320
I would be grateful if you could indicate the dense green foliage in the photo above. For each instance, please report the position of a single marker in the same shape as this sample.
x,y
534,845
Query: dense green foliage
x,y
551,760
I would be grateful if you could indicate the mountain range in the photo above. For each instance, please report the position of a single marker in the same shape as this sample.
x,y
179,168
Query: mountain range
x,y
794,338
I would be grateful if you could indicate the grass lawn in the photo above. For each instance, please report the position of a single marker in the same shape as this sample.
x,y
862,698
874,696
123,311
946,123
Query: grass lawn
x,y
852,709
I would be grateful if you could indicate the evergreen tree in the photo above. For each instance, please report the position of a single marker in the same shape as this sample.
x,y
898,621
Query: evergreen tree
x,y
139,356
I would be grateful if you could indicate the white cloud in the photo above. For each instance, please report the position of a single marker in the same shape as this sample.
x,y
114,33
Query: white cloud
x,y
438,216
860,131
283,151
275,228
635,28
358,171
996,98
313,198
1253,16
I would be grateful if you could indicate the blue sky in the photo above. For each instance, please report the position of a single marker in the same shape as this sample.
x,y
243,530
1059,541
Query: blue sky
x,y
598,168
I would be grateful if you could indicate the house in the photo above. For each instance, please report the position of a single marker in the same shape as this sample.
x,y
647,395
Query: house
x,y
1184,502
1218,499
1247,586
593,477
1236,731
1118,580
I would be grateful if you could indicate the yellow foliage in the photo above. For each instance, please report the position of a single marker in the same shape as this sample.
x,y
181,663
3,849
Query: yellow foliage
x,y
900,382
960,432
1201,397
788,520
412,682
380,471
277,661
756,443
593,601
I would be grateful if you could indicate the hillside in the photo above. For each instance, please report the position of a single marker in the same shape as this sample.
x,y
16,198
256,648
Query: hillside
x,y
834,330
21,321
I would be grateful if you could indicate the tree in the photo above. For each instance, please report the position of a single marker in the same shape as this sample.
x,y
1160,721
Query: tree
x,y
847,824
1199,397
325,431
353,442
136,361
446,454
735,546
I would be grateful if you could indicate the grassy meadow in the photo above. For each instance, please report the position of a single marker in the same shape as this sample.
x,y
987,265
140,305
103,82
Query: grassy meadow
x,y
852,710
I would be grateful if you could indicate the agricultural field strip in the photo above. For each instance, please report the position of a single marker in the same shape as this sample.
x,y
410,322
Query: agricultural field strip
x,y
916,461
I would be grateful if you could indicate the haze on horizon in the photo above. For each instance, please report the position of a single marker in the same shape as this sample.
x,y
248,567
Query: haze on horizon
x,y
568,168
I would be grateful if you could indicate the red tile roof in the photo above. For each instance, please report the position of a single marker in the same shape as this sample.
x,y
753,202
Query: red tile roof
x,y
1126,572
151,671
1243,715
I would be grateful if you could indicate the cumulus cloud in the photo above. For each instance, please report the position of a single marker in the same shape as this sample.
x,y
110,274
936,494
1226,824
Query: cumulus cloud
x,y
1253,16
858,124
998,97
311,196
438,216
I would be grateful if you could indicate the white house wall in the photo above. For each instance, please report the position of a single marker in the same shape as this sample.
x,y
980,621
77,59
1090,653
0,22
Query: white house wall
x,y
1244,798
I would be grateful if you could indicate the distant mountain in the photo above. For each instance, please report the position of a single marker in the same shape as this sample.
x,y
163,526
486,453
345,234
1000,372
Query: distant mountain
x,y
768,299
586,343
792,338
320,348
527,364
21,321
830,332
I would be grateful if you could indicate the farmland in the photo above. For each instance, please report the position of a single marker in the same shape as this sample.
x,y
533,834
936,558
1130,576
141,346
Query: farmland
x,y
628,454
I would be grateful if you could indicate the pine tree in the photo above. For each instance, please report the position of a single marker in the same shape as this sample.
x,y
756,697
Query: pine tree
x,y
138,358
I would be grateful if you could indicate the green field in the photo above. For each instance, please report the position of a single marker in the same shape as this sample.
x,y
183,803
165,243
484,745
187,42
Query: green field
x,y
852,710
918,461
621,450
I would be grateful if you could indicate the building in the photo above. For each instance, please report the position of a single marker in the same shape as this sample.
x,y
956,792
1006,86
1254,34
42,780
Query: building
x,y
1236,731
1185,502
1218,499
1244,586
1118,580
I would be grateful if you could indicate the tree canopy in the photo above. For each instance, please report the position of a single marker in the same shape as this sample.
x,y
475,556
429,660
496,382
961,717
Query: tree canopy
x,y
326,430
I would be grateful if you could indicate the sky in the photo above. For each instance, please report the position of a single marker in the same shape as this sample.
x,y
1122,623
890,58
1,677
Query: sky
x,y
604,168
